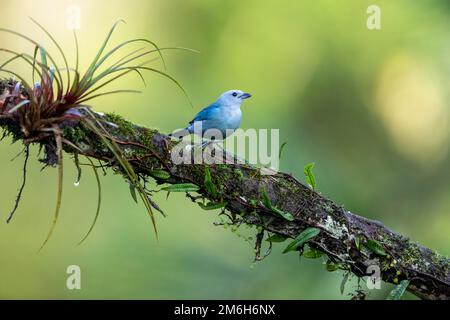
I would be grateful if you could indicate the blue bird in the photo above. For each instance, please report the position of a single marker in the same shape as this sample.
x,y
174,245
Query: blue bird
x,y
223,116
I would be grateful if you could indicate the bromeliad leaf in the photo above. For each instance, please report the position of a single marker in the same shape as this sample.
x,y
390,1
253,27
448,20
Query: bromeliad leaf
x,y
90,71
375,247
398,291
310,179
58,47
19,105
212,205
133,192
43,57
276,238
209,185
99,201
60,187
124,163
302,238
51,98
160,174
181,187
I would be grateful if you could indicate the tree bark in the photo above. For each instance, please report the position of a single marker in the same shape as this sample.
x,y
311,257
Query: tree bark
x,y
344,237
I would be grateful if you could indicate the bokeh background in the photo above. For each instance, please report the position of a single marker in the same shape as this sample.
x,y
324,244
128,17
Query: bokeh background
x,y
370,108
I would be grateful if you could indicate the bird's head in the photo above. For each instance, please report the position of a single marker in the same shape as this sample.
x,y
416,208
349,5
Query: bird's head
x,y
233,97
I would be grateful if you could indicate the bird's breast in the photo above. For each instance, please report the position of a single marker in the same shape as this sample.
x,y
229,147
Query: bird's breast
x,y
233,117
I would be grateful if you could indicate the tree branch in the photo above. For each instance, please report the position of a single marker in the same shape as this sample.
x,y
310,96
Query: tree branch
x,y
347,239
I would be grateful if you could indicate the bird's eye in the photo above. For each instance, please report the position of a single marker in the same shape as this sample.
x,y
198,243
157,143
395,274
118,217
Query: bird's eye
x,y
234,94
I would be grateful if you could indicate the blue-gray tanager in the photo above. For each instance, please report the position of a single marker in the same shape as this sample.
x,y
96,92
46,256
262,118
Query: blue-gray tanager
x,y
223,116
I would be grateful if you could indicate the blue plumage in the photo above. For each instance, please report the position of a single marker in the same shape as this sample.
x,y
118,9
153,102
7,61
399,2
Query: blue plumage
x,y
206,113
219,119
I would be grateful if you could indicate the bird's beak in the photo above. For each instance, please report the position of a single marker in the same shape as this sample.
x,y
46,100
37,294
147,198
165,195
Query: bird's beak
x,y
245,95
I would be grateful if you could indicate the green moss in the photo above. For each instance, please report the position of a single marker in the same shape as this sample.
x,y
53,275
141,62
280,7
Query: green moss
x,y
238,174
146,136
75,134
327,208
128,152
12,129
287,185
437,259
124,126
411,255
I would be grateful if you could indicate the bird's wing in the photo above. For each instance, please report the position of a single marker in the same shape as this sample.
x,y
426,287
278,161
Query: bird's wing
x,y
206,113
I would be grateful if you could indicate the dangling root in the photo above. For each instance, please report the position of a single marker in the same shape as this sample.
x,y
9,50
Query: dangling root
x,y
79,171
19,195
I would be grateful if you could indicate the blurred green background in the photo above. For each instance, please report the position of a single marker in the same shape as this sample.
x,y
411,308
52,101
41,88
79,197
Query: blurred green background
x,y
370,108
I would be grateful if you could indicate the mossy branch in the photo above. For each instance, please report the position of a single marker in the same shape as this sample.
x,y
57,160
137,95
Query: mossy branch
x,y
351,242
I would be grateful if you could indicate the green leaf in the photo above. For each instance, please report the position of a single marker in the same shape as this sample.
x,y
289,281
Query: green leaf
x,y
310,179
266,202
265,199
285,215
133,192
171,79
160,174
344,281
375,247
57,46
36,48
91,67
209,185
181,187
212,205
331,266
303,237
77,60
276,238
281,149
155,206
108,54
36,44
107,93
398,291
312,254
43,54
25,57
358,243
